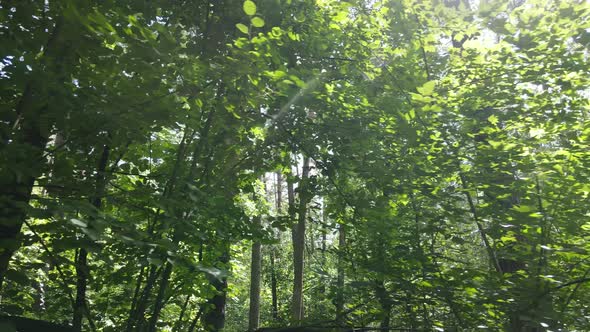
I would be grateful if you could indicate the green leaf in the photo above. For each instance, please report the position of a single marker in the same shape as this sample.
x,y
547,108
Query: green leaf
x,y
427,89
249,8
425,284
508,239
257,22
471,291
523,208
242,28
536,132
493,119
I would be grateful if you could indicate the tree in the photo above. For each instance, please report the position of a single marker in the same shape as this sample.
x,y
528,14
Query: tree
x,y
435,156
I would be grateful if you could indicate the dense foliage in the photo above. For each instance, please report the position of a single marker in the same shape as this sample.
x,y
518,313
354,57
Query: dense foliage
x,y
199,165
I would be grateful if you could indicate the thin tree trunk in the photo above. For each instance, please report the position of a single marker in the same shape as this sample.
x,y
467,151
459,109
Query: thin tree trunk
x,y
273,287
214,320
256,265
82,269
135,297
167,270
159,302
491,253
196,319
340,280
81,283
178,323
136,317
298,235
279,191
273,273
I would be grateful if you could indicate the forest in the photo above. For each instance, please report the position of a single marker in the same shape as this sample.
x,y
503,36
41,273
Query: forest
x,y
294,165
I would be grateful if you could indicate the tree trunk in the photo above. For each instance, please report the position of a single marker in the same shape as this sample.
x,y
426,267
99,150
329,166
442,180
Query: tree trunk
x,y
81,283
273,272
135,299
178,323
279,192
214,319
273,287
340,280
82,269
254,314
298,235
136,316
187,136
31,132
159,302
195,320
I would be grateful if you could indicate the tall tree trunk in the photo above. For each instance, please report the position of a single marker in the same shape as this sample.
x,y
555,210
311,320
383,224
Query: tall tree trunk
x,y
254,314
273,287
82,269
298,235
279,193
81,283
273,272
214,319
159,302
187,136
135,298
31,132
340,280
136,316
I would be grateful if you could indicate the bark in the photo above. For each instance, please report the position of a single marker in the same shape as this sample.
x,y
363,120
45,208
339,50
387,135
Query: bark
x,y
164,282
82,269
273,273
273,287
135,299
187,136
159,302
81,283
214,319
298,235
136,316
279,191
254,314
31,133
